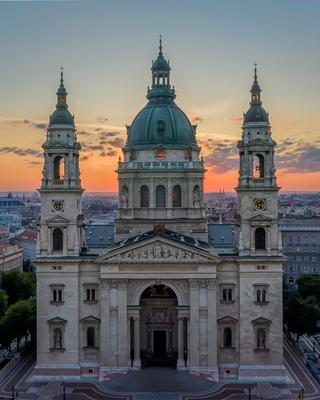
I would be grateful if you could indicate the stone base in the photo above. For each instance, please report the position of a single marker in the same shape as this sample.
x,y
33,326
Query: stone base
x,y
55,372
107,373
212,374
136,365
263,373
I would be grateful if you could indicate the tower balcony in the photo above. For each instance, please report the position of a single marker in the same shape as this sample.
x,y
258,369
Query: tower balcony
x,y
160,165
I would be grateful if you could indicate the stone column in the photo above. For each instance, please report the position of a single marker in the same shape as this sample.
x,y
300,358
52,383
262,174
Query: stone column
x,y
180,361
122,324
104,324
212,329
136,360
194,324
152,202
268,239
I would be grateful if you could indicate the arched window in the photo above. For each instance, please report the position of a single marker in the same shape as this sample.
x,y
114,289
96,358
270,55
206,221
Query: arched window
x,y
88,295
229,294
258,166
144,196
264,296
91,337
57,239
176,196
227,337
260,238
93,294
58,167
57,338
224,295
258,296
160,196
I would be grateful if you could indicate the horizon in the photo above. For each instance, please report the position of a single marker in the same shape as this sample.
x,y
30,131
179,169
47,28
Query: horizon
x,y
107,71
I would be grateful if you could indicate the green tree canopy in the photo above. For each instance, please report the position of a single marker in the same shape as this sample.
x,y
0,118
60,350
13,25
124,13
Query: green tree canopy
x,y
301,315
309,286
18,285
18,321
3,302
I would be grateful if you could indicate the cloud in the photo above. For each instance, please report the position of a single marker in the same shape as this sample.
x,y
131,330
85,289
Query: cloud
x,y
110,153
196,120
41,126
106,134
21,152
117,142
297,155
84,133
102,119
291,155
236,119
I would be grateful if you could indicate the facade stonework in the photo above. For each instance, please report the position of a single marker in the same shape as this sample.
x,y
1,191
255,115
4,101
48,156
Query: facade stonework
x,y
160,294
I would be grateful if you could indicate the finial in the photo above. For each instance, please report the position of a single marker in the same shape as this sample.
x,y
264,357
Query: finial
x,y
160,45
255,72
61,73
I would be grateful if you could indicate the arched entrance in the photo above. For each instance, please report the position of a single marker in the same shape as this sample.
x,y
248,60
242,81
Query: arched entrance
x,y
158,326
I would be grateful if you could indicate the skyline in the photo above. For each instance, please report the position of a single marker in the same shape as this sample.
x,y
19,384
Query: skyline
x,y
107,77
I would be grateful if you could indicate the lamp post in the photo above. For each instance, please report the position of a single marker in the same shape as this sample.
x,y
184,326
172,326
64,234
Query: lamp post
x,y
249,393
63,392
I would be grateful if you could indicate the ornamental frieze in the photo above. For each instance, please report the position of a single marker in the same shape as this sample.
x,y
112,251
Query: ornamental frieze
x,y
158,252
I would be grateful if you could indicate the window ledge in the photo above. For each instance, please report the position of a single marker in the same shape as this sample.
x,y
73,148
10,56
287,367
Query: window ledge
x,y
261,350
261,303
57,349
90,348
57,303
228,348
227,301
90,301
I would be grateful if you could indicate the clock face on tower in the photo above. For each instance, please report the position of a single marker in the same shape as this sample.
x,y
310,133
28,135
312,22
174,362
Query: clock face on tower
x,y
259,204
57,205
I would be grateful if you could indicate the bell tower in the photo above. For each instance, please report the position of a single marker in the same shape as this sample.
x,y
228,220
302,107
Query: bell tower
x,y
257,188
61,216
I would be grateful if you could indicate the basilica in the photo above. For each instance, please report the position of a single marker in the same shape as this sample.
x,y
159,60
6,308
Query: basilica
x,y
166,288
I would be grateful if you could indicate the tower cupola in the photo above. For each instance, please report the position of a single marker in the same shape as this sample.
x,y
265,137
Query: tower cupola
x,y
256,112
61,116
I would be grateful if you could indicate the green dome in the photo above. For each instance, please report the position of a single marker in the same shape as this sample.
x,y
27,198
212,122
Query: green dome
x,y
161,121
62,116
161,124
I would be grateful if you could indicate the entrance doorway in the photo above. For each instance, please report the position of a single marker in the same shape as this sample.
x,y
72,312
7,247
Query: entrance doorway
x,y
159,343
158,326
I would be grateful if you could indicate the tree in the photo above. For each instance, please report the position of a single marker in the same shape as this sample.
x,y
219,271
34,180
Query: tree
x,y
309,286
18,285
3,302
18,321
301,315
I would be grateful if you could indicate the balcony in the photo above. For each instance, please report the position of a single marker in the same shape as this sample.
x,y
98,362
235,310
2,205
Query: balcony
x,y
258,180
58,181
162,165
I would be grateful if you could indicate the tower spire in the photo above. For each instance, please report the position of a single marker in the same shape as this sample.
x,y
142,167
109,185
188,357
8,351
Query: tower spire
x,y
62,93
160,46
255,89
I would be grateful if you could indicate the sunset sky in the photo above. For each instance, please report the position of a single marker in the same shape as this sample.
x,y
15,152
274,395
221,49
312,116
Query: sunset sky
x,y
106,48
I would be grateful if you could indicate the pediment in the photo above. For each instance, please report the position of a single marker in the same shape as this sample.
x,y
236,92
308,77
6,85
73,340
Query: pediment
x,y
262,321
57,219
56,320
260,218
160,250
90,319
227,319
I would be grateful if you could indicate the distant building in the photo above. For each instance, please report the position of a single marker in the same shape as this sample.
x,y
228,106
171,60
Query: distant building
x,y
11,220
4,234
301,245
27,241
10,257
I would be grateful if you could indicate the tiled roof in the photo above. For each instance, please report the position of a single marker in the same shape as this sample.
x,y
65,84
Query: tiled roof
x,y
99,235
222,234
27,235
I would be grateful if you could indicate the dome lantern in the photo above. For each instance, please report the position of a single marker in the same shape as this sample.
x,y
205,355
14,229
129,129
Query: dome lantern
x,y
61,116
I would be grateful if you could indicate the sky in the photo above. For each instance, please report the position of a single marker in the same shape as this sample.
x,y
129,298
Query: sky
x,y
106,48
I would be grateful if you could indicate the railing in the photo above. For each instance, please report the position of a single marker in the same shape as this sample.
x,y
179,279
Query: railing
x,y
58,181
161,165
258,180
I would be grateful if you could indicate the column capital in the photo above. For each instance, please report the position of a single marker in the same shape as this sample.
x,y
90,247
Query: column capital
x,y
194,283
